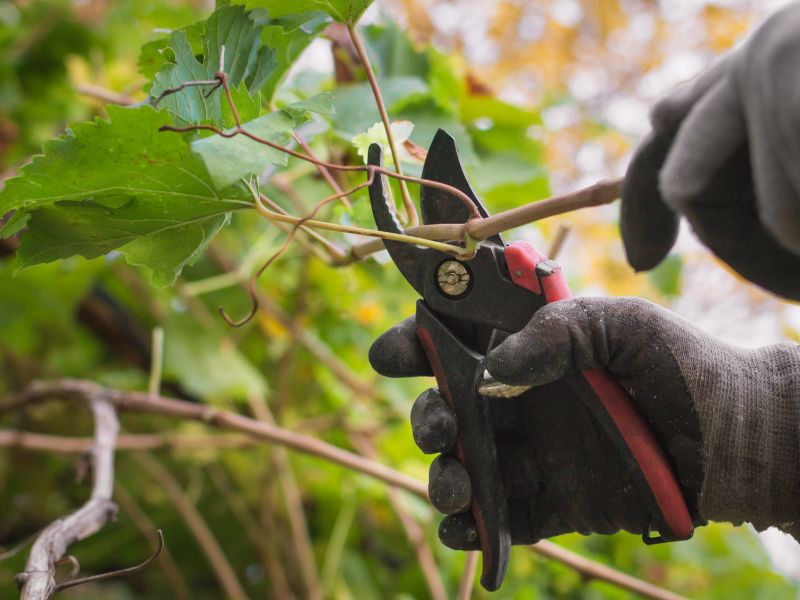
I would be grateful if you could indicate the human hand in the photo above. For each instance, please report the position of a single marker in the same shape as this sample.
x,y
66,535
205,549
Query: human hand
x,y
723,153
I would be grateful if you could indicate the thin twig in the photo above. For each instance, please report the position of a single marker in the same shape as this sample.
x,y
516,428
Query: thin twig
x,y
37,581
411,211
119,572
433,231
558,241
200,530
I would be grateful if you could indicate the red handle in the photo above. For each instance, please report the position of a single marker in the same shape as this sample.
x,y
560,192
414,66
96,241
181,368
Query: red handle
x,y
620,416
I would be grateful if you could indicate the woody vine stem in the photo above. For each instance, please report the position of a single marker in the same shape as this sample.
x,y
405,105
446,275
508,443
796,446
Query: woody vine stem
x,y
463,237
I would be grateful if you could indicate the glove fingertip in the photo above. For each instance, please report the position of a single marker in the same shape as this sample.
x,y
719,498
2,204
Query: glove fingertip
x,y
459,532
398,352
649,227
433,424
449,486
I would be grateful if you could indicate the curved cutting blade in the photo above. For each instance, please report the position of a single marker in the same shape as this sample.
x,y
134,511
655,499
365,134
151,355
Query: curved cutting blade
x,y
407,257
443,164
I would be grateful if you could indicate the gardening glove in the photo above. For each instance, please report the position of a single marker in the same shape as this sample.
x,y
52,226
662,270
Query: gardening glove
x,y
724,153
727,417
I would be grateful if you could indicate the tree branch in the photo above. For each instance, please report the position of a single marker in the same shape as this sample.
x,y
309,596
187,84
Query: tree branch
x,y
590,569
37,581
10,438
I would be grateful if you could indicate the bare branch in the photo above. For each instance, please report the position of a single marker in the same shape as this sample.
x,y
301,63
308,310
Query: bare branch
x,y
602,192
37,581
144,403
74,445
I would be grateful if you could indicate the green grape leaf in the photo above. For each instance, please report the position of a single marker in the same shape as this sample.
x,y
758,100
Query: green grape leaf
x,y
165,253
231,27
259,51
109,183
230,159
344,11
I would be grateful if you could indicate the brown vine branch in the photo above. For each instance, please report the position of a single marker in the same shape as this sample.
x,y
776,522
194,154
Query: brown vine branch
x,y
590,569
37,581
324,171
143,403
75,445
602,192
411,211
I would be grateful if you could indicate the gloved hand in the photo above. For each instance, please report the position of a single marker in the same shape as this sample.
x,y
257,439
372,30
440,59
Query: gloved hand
x,y
728,418
724,153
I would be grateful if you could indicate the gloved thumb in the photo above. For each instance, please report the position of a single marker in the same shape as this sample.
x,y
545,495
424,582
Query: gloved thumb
x,y
542,351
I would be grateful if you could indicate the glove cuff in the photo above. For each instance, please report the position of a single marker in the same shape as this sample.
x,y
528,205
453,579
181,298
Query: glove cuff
x,y
749,411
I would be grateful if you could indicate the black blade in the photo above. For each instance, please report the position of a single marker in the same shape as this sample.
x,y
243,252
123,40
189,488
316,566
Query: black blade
x,y
444,165
407,257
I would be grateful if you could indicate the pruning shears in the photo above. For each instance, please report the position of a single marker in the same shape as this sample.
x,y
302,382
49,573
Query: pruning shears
x,y
468,307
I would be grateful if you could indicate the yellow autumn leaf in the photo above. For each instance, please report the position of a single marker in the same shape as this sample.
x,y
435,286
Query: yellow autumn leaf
x,y
725,26
369,312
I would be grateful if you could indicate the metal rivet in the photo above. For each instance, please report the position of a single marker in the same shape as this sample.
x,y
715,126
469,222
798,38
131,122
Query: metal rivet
x,y
453,278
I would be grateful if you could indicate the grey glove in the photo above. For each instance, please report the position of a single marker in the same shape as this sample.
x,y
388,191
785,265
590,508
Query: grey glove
x,y
728,418
724,153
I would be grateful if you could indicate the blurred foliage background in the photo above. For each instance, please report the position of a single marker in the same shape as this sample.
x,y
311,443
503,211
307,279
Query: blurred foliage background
x,y
541,96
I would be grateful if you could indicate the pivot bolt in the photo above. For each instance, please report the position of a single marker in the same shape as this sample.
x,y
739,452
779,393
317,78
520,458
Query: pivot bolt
x,y
453,278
